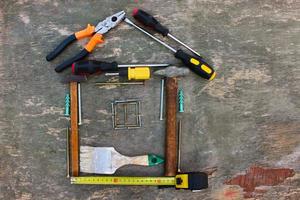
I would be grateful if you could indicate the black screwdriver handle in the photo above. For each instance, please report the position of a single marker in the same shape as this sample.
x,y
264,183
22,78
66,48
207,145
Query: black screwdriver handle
x,y
87,67
66,42
148,20
196,64
83,53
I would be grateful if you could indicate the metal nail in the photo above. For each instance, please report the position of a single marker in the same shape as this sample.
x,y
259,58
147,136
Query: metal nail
x,y
79,104
179,146
161,108
124,115
119,83
67,152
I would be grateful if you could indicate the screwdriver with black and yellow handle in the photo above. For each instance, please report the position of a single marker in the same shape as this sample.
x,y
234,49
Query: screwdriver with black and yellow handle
x,y
196,63
131,71
148,20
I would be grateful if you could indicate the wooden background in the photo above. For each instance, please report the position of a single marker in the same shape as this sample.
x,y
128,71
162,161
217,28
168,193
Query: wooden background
x,y
245,123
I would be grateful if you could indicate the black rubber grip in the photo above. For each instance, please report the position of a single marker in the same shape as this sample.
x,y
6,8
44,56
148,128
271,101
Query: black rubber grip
x,y
88,67
150,21
123,72
197,180
196,64
70,61
60,47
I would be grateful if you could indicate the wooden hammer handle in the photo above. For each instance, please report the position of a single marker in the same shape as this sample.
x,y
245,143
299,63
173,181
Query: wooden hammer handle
x,y
74,137
171,146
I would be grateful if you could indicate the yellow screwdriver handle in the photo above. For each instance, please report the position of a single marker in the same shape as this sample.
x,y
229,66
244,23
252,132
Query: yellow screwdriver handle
x,y
138,73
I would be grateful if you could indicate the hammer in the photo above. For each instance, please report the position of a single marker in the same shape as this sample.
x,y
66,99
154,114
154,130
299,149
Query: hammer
x,y
171,73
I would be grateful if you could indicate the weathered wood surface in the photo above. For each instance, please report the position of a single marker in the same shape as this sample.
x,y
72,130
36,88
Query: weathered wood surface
x,y
247,118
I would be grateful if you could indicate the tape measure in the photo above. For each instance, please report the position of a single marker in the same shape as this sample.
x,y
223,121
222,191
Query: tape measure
x,y
192,180
123,180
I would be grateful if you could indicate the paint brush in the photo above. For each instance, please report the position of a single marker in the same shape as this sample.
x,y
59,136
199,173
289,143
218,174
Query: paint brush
x,y
106,160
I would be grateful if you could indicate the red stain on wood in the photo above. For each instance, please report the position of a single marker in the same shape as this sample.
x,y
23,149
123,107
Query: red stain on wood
x,y
230,194
258,176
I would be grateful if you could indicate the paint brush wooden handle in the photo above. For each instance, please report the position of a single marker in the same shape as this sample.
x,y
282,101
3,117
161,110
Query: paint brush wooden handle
x,y
171,147
136,160
144,160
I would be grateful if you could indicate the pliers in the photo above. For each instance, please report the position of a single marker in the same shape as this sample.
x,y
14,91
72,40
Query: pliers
x,y
96,33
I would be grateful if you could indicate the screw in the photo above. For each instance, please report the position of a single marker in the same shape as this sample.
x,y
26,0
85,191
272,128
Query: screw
x,y
181,100
161,109
67,105
119,83
68,152
79,105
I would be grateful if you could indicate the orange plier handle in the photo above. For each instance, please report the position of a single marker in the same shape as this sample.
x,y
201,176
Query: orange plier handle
x,y
87,32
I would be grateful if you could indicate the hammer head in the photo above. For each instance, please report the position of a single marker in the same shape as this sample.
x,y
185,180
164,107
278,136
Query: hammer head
x,y
173,71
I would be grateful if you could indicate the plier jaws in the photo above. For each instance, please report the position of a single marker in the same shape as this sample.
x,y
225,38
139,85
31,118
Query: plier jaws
x,y
90,31
110,22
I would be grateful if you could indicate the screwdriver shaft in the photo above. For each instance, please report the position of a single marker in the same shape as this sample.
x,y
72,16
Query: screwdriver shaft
x,y
112,74
143,65
183,44
119,83
154,38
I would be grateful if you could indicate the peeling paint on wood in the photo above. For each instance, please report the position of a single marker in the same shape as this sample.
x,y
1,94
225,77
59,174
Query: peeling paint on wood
x,y
257,177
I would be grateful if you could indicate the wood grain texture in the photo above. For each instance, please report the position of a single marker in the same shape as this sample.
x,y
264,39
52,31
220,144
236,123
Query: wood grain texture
x,y
171,109
74,137
249,114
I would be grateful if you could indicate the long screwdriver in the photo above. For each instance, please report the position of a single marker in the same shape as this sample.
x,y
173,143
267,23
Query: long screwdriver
x,y
131,71
148,20
195,63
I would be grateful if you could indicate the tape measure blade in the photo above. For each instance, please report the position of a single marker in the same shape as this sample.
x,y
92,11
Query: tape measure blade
x,y
121,180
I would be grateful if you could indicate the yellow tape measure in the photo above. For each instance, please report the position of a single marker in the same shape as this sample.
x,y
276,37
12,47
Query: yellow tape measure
x,y
189,181
123,180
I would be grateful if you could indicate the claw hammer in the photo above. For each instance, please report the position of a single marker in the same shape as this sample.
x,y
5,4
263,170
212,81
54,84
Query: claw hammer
x,y
171,73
